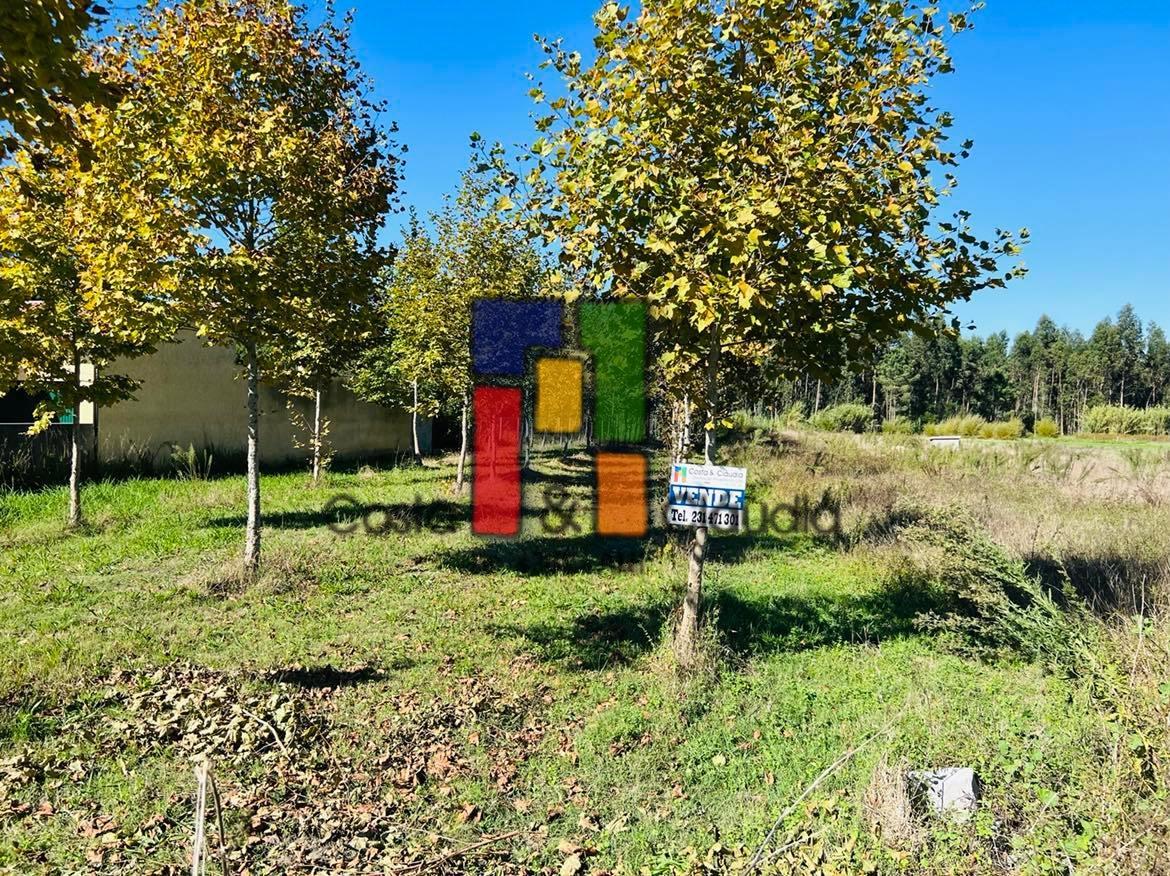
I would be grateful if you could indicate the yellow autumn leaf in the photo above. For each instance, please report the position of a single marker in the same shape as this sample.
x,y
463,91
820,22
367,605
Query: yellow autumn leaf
x,y
746,293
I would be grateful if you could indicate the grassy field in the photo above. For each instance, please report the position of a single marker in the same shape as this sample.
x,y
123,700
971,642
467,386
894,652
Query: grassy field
x,y
409,699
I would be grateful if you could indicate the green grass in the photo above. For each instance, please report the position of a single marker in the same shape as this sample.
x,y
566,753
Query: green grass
x,y
433,689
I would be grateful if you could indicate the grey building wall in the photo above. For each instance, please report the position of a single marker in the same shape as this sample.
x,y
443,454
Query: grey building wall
x,y
191,395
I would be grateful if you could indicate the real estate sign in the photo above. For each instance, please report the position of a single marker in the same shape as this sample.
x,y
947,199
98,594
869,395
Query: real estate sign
x,y
706,495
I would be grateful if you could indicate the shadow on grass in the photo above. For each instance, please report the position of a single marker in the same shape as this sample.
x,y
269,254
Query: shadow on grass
x,y
570,554
575,457
1109,582
747,625
594,641
548,555
347,516
327,677
790,623
559,478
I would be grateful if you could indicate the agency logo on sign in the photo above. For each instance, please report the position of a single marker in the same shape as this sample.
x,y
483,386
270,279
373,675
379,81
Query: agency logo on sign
x,y
515,343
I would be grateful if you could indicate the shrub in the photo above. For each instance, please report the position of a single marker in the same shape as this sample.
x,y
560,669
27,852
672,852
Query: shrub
x,y
988,598
1007,430
1046,429
1157,421
191,464
794,416
898,427
966,426
742,422
1114,420
844,418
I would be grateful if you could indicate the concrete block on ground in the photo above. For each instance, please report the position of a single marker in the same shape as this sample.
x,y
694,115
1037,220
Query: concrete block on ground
x,y
952,791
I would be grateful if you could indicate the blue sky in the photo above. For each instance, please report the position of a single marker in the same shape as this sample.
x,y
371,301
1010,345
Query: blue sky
x,y
1067,101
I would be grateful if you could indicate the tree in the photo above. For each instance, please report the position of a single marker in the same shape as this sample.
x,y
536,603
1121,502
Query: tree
x,y
994,390
65,310
312,356
1051,367
485,257
259,131
895,373
1107,353
405,368
42,72
1131,339
1157,362
760,172
473,253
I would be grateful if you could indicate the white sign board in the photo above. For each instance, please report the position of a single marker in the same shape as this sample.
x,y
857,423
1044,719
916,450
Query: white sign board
x,y
706,495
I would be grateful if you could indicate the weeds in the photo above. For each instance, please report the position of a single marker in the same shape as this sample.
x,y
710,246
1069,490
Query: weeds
x,y
844,418
191,464
992,604
27,463
888,808
967,426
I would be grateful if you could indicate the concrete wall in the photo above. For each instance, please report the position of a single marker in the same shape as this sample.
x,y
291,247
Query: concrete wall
x,y
191,395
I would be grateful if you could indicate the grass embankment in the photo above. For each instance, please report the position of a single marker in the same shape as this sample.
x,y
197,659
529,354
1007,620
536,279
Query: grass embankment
x,y
422,701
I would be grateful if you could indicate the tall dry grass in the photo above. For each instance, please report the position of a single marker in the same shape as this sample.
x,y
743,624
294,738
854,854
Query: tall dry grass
x,y
1061,552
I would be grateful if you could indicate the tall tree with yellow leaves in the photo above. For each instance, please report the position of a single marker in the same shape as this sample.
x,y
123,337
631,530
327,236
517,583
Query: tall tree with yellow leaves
x,y
764,175
259,129
43,71
85,279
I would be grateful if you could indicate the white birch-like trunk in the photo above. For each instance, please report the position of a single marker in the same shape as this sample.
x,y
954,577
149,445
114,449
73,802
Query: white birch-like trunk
x,y
252,533
414,425
317,437
462,448
75,453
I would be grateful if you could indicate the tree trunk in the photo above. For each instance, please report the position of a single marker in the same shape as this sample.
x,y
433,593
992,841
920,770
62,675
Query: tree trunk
x,y
526,439
687,637
252,535
317,437
414,425
462,449
75,451
817,405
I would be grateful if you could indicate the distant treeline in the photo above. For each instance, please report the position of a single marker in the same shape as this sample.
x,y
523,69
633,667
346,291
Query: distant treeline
x,y
1050,373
